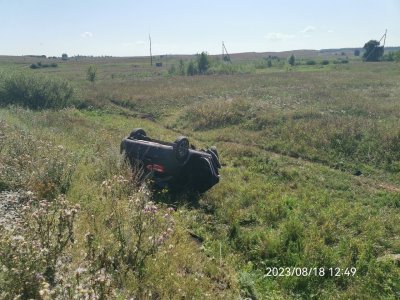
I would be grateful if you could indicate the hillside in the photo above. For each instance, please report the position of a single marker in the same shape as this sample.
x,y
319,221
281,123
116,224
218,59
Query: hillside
x,y
243,56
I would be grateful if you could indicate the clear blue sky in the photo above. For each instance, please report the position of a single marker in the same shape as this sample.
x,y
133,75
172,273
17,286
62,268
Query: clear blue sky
x,y
121,27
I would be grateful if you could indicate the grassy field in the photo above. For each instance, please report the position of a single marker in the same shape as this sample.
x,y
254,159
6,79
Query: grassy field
x,y
310,179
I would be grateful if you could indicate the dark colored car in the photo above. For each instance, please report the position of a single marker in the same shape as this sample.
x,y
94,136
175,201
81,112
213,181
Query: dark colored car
x,y
176,166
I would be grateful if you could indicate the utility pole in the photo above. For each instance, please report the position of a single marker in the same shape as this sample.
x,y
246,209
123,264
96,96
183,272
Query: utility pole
x,y
384,38
225,54
151,56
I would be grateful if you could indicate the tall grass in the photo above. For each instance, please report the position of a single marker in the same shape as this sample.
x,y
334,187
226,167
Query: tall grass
x,y
31,163
121,244
216,113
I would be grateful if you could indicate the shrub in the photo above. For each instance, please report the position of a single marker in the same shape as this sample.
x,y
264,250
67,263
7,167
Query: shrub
x,y
325,62
291,60
191,69
172,70
35,91
264,63
203,63
181,67
311,62
373,51
40,65
91,73
392,56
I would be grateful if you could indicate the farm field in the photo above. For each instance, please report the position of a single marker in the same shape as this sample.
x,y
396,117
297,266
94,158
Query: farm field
x,y
310,182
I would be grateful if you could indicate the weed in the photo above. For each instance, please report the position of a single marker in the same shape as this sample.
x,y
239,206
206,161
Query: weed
x,y
35,164
31,251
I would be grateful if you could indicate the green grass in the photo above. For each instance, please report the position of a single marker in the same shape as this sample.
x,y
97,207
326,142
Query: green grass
x,y
290,141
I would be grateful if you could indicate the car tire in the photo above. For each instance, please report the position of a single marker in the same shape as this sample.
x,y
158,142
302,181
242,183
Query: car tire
x,y
181,148
214,149
137,134
215,158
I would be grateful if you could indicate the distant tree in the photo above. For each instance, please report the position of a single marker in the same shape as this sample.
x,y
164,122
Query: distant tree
x,y
356,52
372,51
172,70
392,56
291,60
203,63
191,69
64,56
269,63
396,56
91,73
181,67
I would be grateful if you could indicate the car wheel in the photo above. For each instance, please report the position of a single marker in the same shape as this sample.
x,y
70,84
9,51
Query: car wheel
x,y
137,134
181,148
215,158
214,149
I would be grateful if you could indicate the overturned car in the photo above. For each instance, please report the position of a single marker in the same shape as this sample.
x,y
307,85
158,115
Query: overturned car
x,y
176,166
